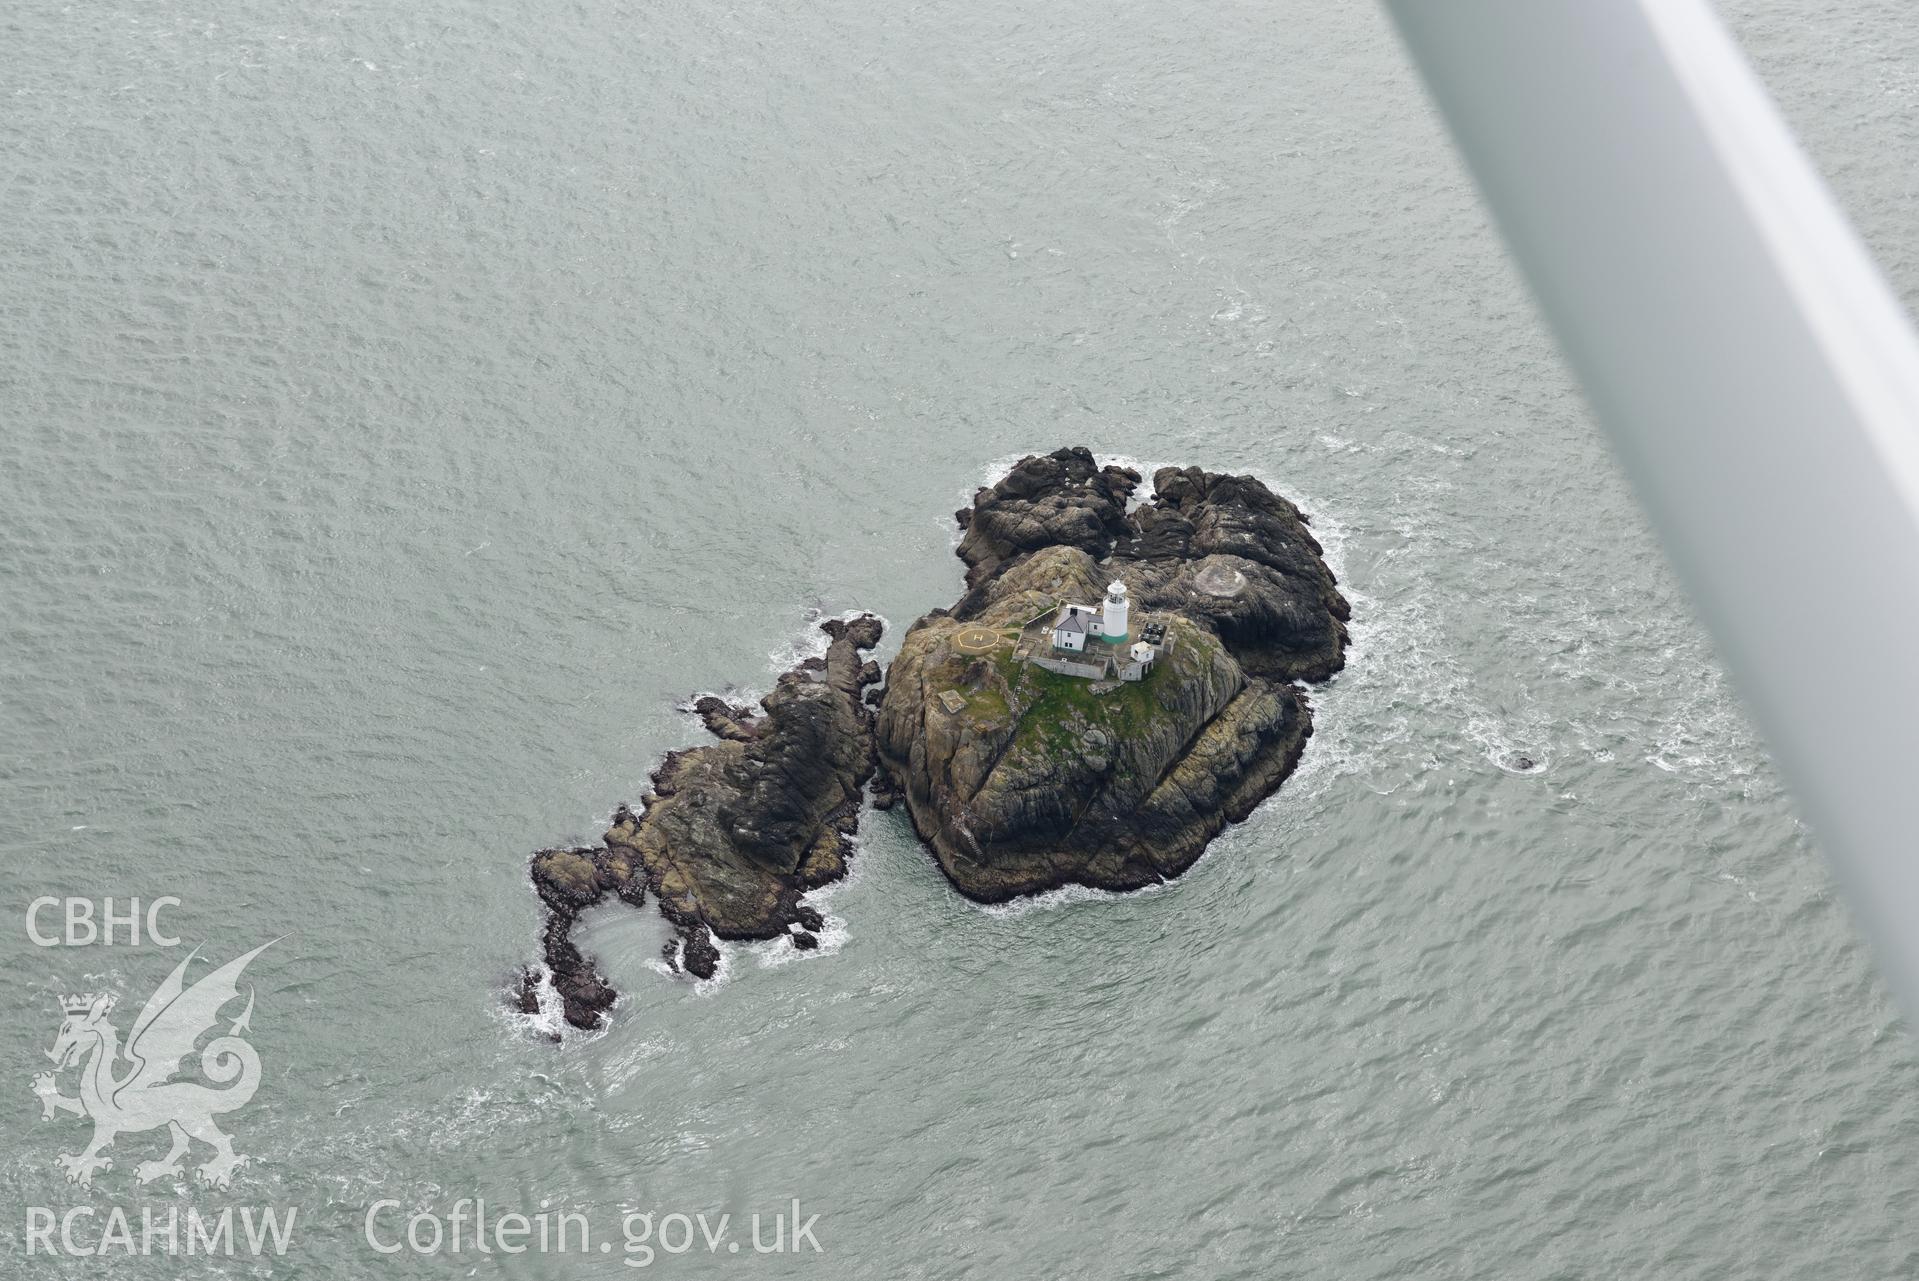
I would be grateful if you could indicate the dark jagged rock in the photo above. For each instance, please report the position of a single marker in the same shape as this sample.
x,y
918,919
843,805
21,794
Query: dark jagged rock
x,y
1063,499
526,994
727,720
569,881
733,832
699,957
805,942
1022,780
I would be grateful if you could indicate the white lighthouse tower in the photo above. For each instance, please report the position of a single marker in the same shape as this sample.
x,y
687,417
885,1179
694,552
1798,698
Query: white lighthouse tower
x,y
1112,614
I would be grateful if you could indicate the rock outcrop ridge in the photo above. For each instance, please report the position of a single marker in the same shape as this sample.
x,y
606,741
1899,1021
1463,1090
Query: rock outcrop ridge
x,y
733,832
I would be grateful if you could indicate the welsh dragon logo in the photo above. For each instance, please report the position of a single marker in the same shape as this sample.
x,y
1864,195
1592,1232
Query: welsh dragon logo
x,y
144,1096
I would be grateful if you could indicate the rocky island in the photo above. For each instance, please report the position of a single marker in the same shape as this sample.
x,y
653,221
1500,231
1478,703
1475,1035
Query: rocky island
x,y
733,832
1039,740
1119,681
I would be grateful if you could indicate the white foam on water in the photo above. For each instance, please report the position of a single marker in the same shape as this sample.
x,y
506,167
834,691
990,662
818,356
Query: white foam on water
x,y
746,696
723,973
996,471
1510,741
1067,896
805,642
773,953
1142,494
837,930
548,1023
818,642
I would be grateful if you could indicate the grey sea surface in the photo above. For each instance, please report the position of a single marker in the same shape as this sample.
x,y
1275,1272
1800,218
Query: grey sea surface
x,y
403,408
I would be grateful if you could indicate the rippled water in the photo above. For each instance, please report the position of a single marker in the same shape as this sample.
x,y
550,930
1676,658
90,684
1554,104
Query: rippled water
x,y
406,406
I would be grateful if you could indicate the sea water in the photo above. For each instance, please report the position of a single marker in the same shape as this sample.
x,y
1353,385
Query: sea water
x,y
408,406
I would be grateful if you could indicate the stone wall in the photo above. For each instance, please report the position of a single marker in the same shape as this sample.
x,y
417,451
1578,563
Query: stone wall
x,y
1059,666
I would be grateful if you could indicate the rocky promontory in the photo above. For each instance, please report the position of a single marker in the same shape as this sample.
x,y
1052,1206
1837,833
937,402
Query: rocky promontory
x,y
733,832
1021,779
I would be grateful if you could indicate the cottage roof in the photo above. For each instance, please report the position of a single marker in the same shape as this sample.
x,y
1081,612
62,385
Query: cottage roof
x,y
1069,621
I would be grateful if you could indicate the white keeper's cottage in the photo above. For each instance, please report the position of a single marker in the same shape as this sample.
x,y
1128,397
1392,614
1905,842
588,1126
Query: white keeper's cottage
x,y
1074,624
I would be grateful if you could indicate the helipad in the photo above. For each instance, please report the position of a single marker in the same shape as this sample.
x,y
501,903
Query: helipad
x,y
975,640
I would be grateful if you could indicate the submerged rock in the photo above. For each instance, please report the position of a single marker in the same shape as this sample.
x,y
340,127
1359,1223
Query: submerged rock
x,y
1023,780
733,831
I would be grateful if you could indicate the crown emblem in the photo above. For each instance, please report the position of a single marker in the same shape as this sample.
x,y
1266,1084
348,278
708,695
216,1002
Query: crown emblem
x,y
82,1002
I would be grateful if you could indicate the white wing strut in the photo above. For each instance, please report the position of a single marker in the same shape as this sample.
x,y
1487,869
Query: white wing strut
x,y
1757,376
